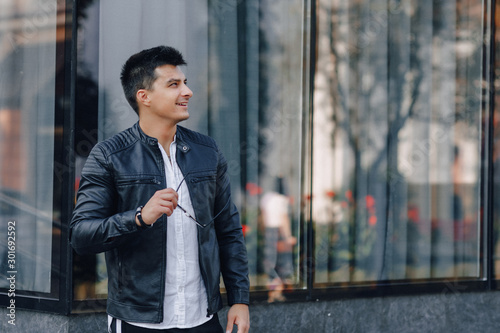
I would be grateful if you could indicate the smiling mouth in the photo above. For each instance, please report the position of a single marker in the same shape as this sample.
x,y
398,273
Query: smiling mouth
x,y
182,104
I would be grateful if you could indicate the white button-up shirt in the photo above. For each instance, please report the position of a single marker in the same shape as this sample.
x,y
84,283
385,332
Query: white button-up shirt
x,y
185,303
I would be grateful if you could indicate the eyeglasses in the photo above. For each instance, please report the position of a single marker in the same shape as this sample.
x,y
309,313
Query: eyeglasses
x,y
191,216
185,211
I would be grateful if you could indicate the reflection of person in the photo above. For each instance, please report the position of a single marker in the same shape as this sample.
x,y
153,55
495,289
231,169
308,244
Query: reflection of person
x,y
163,272
278,260
458,213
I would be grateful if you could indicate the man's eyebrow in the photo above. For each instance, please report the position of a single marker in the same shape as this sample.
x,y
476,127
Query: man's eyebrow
x,y
173,80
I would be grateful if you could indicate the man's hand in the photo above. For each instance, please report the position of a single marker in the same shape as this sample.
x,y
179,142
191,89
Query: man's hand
x,y
238,314
162,202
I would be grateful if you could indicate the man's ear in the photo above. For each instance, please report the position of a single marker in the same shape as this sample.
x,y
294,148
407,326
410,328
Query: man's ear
x,y
142,97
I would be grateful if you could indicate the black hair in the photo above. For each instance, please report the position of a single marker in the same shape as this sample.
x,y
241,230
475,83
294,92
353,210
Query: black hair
x,y
138,72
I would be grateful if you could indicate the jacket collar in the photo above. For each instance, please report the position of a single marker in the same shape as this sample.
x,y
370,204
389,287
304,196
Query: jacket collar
x,y
143,136
182,145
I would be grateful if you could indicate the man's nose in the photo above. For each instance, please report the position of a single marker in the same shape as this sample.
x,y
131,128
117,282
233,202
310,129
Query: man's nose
x,y
187,92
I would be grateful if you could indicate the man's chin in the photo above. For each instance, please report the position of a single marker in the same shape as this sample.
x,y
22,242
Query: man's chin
x,y
184,117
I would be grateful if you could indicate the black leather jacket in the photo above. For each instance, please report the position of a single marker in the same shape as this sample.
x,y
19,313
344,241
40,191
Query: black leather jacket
x,y
121,174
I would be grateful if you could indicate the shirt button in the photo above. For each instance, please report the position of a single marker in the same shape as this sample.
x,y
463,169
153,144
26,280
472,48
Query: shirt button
x,y
184,148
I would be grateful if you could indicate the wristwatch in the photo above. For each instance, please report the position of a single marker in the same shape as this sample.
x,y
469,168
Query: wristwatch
x,y
138,214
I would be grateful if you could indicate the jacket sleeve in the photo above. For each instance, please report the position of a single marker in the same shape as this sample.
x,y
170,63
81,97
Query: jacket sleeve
x,y
96,226
232,249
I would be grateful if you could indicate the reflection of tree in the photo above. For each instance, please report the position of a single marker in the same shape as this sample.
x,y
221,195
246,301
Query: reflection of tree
x,y
496,149
86,106
86,128
81,10
86,110
272,137
395,65
280,80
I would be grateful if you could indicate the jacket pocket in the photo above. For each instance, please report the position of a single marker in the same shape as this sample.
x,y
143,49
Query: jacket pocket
x,y
203,178
130,181
202,190
133,192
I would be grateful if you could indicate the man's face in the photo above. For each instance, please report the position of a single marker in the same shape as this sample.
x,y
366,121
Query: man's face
x,y
169,95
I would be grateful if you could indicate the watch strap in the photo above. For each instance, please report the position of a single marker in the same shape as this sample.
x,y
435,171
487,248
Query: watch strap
x,y
138,214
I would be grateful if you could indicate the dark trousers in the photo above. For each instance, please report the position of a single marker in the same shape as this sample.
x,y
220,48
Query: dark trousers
x,y
211,326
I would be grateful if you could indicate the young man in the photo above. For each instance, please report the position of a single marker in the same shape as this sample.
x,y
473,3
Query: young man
x,y
156,198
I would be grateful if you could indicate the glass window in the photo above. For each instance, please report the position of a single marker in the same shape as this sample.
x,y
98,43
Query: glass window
x,y
495,202
28,134
245,67
388,170
397,141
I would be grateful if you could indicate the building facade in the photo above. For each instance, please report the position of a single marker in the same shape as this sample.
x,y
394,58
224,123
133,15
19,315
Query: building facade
x,y
361,139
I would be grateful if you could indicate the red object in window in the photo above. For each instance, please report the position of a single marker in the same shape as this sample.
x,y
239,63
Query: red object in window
x,y
245,229
253,189
348,195
370,201
372,220
330,194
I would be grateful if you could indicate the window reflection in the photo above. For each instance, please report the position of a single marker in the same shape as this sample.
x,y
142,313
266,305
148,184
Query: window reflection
x,y
245,69
397,135
279,242
496,151
396,129
28,41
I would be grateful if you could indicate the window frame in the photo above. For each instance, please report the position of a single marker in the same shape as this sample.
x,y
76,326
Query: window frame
x,y
444,285
57,301
336,290
61,300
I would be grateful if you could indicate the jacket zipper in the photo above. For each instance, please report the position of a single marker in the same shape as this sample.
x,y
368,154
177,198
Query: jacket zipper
x,y
138,181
